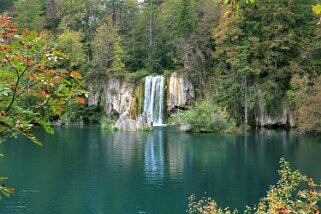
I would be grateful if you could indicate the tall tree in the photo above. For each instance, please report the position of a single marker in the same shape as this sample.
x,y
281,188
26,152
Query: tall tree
x,y
187,20
29,14
5,5
70,41
236,76
103,45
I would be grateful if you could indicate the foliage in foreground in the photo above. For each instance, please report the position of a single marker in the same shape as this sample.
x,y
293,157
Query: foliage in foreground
x,y
293,193
33,85
206,117
4,190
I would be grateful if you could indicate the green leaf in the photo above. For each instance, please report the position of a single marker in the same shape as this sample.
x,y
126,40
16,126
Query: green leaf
x,y
34,139
3,178
5,193
47,126
49,129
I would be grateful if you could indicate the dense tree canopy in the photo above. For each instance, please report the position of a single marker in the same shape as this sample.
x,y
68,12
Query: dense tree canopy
x,y
248,62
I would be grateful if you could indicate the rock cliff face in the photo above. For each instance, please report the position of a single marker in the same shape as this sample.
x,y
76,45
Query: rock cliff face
x,y
281,116
180,92
284,117
137,101
118,97
114,95
95,94
124,123
126,101
122,99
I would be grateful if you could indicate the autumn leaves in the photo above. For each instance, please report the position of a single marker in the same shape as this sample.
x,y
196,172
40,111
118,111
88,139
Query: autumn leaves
x,y
34,86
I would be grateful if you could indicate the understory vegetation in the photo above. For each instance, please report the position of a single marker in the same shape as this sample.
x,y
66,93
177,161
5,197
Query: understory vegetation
x,y
205,117
293,193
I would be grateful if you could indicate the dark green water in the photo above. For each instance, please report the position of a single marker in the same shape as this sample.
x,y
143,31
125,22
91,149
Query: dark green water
x,y
86,170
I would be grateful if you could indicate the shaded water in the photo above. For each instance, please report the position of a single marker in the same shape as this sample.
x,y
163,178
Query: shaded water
x,y
86,170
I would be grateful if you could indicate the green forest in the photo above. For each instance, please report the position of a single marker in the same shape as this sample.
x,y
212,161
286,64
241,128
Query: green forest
x,y
245,57
224,67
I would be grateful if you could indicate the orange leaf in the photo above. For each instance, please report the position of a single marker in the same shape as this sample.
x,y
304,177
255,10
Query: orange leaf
x,y
9,189
75,74
8,34
80,100
14,29
43,93
41,68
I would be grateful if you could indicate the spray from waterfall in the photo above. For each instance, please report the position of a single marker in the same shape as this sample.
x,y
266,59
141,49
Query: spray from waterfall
x,y
154,99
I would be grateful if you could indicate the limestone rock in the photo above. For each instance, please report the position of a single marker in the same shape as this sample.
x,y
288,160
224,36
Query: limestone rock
x,y
180,92
137,101
113,95
186,128
94,94
284,117
124,123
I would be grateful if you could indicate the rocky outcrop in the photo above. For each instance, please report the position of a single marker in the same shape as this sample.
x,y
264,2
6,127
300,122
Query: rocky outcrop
x,y
280,115
137,101
94,94
125,100
113,95
186,128
180,92
124,123
283,117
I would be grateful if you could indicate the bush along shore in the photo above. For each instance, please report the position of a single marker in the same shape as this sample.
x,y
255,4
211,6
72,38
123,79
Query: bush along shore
x,y
293,193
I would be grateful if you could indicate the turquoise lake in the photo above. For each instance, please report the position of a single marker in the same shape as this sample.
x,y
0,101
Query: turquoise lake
x,y
89,170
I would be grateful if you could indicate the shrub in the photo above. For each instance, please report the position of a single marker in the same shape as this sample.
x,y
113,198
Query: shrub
x,y
288,196
206,117
80,115
107,123
146,129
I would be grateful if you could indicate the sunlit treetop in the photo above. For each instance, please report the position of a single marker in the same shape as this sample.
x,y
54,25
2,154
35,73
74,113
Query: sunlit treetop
x,y
234,5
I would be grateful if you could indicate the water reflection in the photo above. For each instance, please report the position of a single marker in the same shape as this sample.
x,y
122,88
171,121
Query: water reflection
x,y
88,170
154,165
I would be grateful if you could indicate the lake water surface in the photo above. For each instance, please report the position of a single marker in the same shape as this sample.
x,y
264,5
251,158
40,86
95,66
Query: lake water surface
x,y
88,170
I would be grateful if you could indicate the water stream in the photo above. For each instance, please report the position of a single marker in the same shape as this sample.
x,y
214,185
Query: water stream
x,y
154,99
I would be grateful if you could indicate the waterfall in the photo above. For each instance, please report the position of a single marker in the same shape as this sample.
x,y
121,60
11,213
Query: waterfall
x,y
154,99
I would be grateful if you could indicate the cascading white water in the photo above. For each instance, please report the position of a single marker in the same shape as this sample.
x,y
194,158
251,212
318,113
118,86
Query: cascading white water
x,y
154,99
